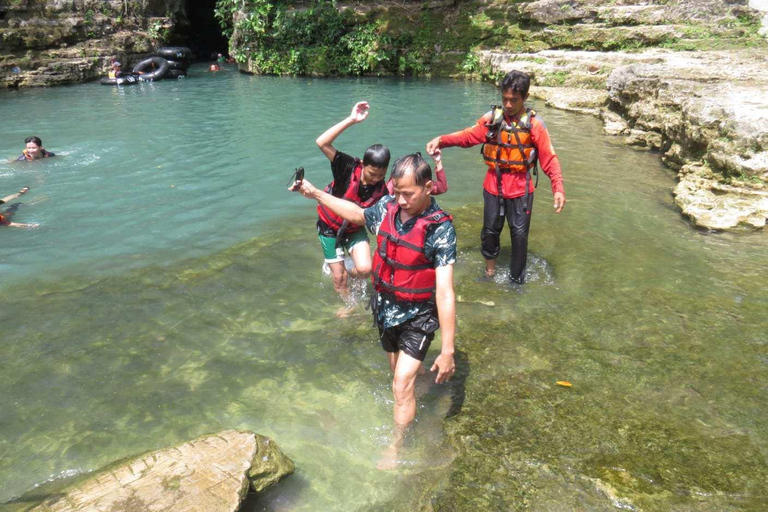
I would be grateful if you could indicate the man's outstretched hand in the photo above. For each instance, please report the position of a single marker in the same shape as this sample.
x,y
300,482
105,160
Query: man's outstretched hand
x,y
305,188
559,202
445,367
433,145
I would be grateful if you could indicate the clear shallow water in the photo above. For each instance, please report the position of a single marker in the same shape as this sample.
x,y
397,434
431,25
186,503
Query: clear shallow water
x,y
140,315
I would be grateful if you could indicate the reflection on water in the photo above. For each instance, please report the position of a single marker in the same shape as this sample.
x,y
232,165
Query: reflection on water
x,y
141,315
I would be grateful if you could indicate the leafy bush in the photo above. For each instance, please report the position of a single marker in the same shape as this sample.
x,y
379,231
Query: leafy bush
x,y
318,39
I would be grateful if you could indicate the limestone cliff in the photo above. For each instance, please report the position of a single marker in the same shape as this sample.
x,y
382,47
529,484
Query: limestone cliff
x,y
51,42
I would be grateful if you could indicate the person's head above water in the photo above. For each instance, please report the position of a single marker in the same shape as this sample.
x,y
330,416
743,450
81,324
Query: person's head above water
x,y
34,147
116,65
514,91
375,163
412,179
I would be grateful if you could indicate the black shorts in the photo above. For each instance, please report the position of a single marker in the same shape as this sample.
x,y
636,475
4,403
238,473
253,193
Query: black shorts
x,y
412,336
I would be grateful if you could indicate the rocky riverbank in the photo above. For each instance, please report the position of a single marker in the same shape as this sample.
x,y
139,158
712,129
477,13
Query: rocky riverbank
x,y
53,42
705,112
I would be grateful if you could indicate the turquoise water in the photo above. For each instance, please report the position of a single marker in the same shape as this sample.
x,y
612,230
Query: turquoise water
x,y
173,288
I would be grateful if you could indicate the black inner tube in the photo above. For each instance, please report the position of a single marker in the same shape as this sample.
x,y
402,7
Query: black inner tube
x,y
124,79
174,52
159,64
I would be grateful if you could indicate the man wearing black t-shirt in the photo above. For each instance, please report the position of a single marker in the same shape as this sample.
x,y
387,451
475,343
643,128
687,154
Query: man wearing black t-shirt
x,y
358,181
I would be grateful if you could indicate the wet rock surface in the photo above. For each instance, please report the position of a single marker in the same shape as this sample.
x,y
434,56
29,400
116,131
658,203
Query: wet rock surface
x,y
49,42
209,474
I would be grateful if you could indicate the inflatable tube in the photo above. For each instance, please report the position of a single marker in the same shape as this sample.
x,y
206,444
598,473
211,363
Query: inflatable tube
x,y
179,64
175,52
176,73
126,79
161,68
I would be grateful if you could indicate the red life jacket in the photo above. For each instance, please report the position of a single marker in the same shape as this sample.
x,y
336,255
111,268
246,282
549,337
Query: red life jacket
x,y
351,194
400,266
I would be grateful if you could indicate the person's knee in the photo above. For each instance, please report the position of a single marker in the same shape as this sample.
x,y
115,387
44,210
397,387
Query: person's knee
x,y
363,269
519,234
490,232
402,388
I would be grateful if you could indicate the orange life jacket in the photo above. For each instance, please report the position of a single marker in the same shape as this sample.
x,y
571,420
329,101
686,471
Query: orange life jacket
x,y
509,148
400,266
351,194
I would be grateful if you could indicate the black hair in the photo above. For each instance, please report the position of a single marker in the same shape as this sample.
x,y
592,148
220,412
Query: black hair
x,y
517,81
36,140
377,156
414,163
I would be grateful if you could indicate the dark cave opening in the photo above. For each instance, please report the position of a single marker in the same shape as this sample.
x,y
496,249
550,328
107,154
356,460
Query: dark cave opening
x,y
203,33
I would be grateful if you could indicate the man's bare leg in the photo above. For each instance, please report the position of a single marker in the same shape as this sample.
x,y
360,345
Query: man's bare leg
x,y
339,276
361,256
22,225
403,386
490,268
14,196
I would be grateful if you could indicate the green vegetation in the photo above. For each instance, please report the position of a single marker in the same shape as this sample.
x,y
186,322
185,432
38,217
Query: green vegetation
x,y
321,39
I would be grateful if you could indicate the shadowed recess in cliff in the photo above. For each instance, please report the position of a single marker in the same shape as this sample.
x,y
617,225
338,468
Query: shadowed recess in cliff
x,y
203,33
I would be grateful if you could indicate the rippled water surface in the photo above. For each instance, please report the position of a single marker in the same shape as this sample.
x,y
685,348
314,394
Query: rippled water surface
x,y
173,288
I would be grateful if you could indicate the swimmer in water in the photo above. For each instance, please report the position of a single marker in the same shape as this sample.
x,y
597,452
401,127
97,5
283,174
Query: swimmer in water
x,y
34,150
214,67
5,217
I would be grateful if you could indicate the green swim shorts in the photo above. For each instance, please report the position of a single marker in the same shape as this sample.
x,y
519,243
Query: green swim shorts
x,y
334,254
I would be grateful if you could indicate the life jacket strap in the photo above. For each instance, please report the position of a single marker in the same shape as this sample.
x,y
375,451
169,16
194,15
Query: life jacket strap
x,y
392,288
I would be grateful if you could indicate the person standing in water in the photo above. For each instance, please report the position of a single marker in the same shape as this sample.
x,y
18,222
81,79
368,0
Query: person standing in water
x,y
34,150
5,217
514,139
359,182
413,281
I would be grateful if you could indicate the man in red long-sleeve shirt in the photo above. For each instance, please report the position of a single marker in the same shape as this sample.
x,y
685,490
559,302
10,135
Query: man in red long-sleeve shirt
x,y
514,138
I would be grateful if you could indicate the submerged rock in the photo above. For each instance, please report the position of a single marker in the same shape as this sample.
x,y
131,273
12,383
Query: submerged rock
x,y
209,474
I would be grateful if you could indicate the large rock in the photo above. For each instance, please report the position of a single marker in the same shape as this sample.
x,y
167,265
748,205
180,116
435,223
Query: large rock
x,y
209,474
53,42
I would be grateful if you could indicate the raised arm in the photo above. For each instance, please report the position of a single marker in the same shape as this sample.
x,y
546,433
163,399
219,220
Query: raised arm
x,y
347,210
466,138
325,141
440,184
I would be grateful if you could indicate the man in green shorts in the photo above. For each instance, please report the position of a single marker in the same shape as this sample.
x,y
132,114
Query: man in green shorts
x,y
358,181
412,279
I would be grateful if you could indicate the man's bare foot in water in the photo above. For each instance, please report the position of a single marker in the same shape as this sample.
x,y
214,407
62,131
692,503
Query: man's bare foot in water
x,y
345,311
388,459
490,268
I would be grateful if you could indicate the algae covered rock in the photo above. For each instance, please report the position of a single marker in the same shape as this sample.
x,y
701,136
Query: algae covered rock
x,y
268,465
209,474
